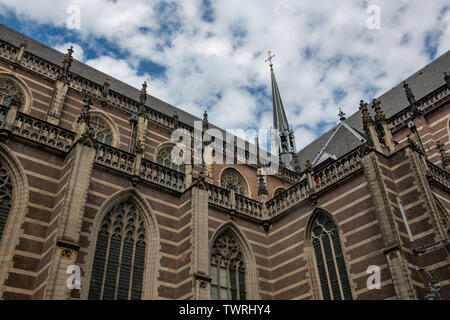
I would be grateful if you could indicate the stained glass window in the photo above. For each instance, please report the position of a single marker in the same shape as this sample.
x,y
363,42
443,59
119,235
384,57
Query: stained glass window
x,y
329,259
164,158
102,131
118,268
232,179
7,90
5,197
227,269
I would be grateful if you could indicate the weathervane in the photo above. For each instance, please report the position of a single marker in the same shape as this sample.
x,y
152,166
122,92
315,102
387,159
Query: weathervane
x,y
341,114
271,56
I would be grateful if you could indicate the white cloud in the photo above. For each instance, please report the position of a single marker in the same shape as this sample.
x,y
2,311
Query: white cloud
x,y
119,69
78,52
320,47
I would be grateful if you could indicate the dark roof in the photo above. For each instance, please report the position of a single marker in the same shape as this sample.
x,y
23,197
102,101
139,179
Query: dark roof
x,y
422,83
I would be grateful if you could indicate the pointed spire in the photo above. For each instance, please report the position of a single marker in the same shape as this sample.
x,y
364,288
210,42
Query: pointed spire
x,y
280,121
286,138
341,115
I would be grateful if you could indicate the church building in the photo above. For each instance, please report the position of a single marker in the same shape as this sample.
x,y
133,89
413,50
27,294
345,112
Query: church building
x,y
94,207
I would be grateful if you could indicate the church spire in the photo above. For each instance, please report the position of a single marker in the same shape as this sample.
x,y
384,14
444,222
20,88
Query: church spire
x,y
284,132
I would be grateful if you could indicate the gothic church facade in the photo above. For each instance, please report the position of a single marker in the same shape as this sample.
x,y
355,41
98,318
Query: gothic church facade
x,y
87,180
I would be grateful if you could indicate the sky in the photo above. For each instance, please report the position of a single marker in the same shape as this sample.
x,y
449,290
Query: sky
x,y
211,55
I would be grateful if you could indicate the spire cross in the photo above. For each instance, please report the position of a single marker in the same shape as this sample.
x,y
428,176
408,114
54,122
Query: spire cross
x,y
269,59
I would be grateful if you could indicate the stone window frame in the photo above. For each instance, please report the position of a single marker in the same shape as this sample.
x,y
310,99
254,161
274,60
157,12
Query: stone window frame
x,y
123,223
448,129
19,208
278,191
112,125
444,215
24,88
244,180
251,273
311,258
152,254
162,147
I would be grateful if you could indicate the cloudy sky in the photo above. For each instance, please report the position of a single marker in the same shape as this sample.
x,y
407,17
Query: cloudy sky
x,y
210,55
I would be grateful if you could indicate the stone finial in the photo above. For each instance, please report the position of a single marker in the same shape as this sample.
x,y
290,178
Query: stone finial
x,y
67,63
444,158
139,147
205,121
308,166
85,115
297,165
175,120
447,79
262,188
23,44
258,160
105,91
143,96
379,115
341,115
365,113
412,144
22,49
409,94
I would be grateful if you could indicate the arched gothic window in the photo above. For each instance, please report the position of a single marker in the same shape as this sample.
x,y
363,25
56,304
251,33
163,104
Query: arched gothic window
x,y
7,90
118,268
102,130
227,269
232,179
329,259
164,158
278,192
5,197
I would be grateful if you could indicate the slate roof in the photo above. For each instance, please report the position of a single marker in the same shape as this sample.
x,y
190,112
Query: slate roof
x,y
424,81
